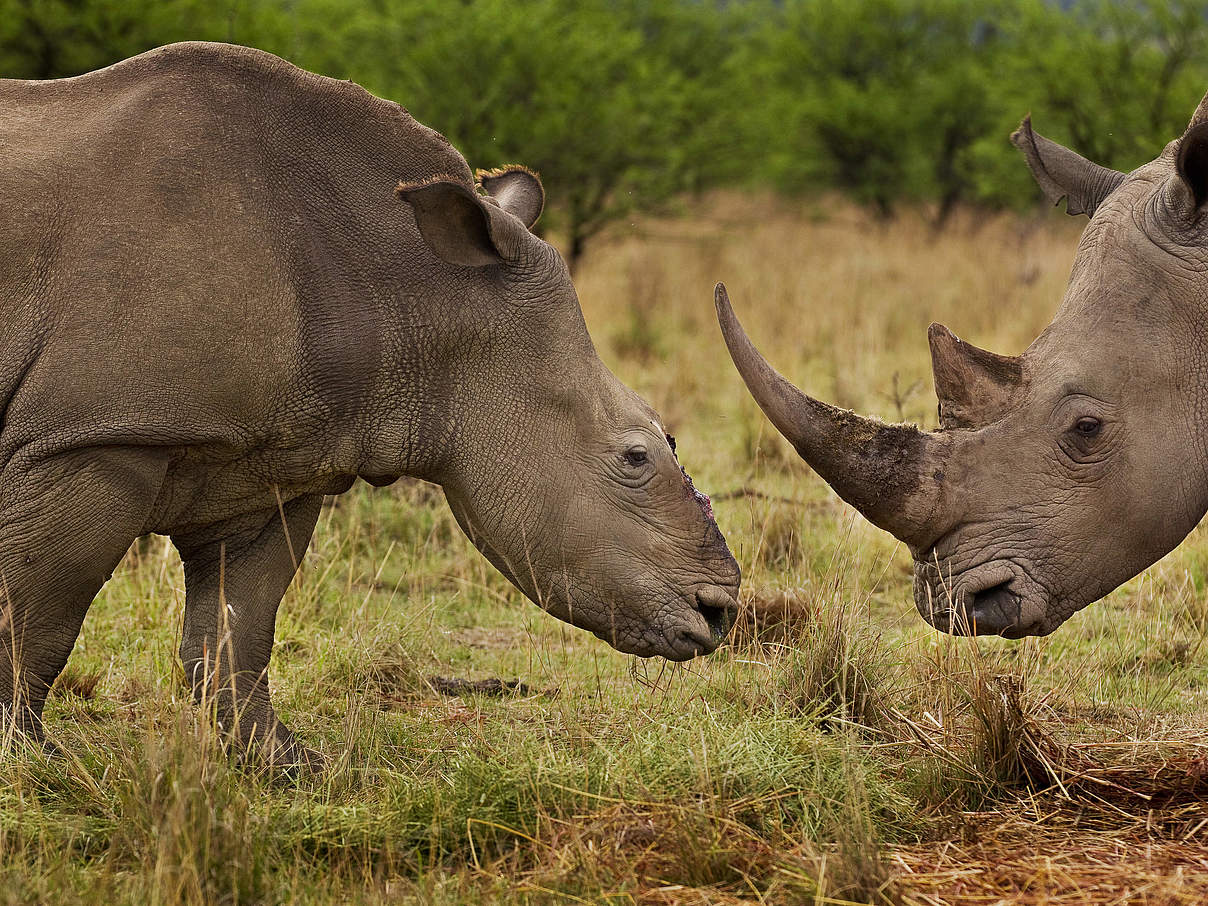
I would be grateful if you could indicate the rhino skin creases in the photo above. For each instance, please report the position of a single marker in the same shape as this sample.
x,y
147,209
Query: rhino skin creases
x,y
229,287
1061,473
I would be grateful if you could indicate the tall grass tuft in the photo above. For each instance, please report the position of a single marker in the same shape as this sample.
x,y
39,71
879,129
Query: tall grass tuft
x,y
197,830
986,735
835,669
828,661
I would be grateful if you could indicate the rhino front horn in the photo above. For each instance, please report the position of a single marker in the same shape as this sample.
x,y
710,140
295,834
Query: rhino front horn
x,y
892,474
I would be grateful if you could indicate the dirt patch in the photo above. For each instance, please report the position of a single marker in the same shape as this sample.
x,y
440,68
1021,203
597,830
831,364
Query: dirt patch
x,y
1086,822
1038,848
770,616
665,854
488,638
492,686
396,679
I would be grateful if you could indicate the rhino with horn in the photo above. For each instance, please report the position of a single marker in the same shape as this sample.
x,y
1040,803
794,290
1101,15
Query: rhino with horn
x,y
1059,474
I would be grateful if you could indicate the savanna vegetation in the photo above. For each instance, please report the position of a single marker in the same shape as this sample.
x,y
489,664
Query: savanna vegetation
x,y
838,750
626,105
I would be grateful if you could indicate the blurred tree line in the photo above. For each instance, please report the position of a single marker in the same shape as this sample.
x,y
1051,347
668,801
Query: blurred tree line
x,y
624,104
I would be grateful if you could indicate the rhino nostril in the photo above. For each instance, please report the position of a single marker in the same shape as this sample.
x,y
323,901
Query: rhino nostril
x,y
718,608
993,609
997,592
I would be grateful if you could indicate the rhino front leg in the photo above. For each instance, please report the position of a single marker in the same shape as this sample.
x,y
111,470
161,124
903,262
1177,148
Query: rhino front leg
x,y
235,575
65,524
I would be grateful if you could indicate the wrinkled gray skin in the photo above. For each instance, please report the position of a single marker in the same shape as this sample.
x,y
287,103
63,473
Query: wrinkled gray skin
x,y
1059,474
215,308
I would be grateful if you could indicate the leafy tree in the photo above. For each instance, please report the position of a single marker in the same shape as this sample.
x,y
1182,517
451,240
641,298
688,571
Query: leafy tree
x,y
623,104
49,39
885,100
1116,80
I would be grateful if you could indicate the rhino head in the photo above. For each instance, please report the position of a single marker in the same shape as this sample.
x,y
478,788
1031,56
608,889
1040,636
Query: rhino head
x,y
1059,474
561,475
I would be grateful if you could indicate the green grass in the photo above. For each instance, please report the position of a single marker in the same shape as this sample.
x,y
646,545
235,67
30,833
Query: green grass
x,y
789,767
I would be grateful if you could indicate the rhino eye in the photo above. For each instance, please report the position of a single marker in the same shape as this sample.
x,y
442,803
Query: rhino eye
x,y
1087,426
635,457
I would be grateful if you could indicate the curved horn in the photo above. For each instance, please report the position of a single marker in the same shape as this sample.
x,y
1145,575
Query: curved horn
x,y
890,473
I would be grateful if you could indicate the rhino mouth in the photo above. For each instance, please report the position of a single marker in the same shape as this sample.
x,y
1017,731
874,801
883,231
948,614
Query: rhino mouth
x,y
694,625
998,610
994,598
705,627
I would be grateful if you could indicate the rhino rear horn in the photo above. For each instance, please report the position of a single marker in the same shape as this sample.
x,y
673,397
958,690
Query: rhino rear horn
x,y
974,386
1061,173
890,473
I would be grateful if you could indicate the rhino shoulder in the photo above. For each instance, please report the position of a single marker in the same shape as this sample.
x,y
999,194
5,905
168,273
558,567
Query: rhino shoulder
x,y
218,100
304,101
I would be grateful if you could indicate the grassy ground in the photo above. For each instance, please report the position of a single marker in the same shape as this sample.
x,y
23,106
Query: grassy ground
x,y
837,751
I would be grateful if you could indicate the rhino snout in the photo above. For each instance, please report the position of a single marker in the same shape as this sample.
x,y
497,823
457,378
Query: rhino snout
x,y
994,598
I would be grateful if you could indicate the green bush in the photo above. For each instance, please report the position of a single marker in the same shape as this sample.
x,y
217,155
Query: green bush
x,y
623,104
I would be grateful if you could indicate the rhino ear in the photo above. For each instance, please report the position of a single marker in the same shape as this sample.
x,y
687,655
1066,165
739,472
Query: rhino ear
x,y
1201,113
458,226
974,386
1192,162
1061,173
517,189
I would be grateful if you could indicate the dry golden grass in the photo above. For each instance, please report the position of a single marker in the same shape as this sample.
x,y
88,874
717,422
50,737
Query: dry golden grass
x,y
838,300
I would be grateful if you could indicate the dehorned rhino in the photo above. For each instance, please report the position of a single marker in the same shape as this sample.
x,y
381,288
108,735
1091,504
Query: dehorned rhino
x,y
1061,473
229,287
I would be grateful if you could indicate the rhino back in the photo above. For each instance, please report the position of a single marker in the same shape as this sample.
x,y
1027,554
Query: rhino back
x,y
200,246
